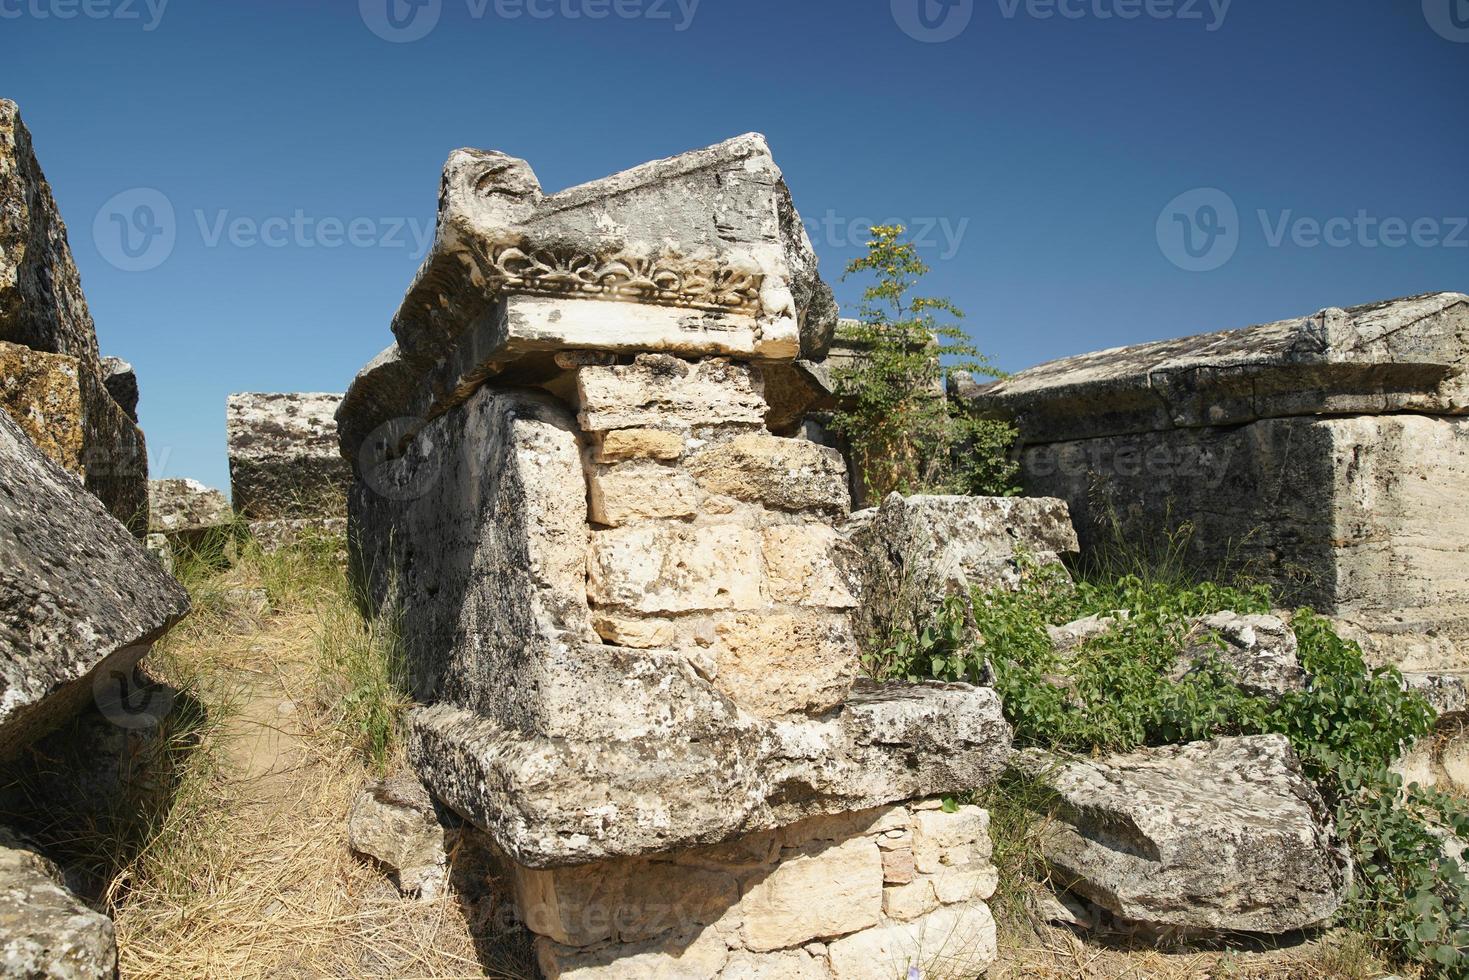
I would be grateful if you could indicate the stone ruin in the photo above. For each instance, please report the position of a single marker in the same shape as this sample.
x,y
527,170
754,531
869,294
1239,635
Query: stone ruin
x,y
53,382
286,475
627,603
1327,454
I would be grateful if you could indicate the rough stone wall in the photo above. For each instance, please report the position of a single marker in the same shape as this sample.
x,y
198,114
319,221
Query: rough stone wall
x,y
859,896
42,307
713,536
1356,516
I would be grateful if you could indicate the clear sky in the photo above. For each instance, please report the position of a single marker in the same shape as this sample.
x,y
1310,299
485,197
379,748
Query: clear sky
x,y
1083,173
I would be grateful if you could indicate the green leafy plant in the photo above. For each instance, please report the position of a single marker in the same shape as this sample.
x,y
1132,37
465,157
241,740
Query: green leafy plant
x,y
896,417
1116,692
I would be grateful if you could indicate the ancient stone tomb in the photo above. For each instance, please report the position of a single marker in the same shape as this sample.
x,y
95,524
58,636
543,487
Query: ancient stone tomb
x,y
628,605
1327,454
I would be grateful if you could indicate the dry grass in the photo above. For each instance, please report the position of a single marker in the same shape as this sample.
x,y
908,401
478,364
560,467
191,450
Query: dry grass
x,y
250,874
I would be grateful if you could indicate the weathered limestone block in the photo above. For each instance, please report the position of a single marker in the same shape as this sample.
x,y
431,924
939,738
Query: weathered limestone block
x,y
668,393
1441,759
121,382
43,394
1261,651
677,568
1221,836
45,930
698,254
640,491
772,664
912,552
1322,454
781,474
806,901
395,823
551,802
284,461
188,513
82,597
42,307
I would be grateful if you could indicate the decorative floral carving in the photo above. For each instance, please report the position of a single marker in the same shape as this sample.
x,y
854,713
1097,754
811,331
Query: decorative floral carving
x,y
665,280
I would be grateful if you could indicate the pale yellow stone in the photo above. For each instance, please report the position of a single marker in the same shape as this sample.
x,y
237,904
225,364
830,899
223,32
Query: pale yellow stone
x,y
625,444
801,567
965,884
629,901
815,893
640,491
785,474
676,569
897,865
843,826
943,839
909,900
958,941
697,956
662,391
772,664
639,634
795,964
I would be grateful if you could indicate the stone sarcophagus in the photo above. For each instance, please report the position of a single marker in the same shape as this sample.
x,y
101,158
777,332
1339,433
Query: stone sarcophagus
x,y
627,604
1328,455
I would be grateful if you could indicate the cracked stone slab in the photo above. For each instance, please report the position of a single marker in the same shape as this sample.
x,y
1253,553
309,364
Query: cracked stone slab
x,y
1210,837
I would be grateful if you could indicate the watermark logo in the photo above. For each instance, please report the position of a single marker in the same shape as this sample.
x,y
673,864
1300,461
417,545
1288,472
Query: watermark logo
x,y
130,700
1199,231
1210,13
933,21
943,236
147,13
397,460
1449,19
136,230
401,21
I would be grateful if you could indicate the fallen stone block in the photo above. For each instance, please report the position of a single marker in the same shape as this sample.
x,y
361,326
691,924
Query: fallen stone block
x,y
121,382
284,462
84,601
45,930
1260,651
189,515
395,822
1206,838
910,553
43,394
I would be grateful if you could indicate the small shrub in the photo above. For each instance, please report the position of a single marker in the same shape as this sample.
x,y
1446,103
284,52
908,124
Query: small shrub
x,y
903,434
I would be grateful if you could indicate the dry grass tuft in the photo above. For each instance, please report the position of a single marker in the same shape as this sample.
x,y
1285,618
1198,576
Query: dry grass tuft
x,y
249,873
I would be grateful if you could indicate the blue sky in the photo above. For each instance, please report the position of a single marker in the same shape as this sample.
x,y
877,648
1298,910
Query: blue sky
x,y
1055,154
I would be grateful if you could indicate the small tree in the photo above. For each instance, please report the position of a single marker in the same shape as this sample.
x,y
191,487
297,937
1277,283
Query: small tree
x,y
903,433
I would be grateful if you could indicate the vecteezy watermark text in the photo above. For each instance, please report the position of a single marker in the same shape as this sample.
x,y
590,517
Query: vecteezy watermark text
x,y
944,235
148,13
935,21
138,230
1210,13
403,21
1200,230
